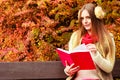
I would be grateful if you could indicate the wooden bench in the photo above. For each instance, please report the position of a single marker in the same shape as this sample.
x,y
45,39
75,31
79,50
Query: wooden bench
x,y
50,70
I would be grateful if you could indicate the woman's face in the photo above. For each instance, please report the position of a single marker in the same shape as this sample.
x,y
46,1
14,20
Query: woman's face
x,y
86,20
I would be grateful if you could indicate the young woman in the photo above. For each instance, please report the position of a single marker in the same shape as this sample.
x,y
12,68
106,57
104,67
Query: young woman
x,y
98,40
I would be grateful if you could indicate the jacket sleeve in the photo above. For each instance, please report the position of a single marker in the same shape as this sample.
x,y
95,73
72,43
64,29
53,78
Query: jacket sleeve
x,y
105,64
72,41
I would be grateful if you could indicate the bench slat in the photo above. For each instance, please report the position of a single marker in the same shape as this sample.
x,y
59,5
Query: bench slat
x,y
32,70
50,70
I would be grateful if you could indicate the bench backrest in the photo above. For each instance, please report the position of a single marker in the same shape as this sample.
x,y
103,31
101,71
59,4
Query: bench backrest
x,y
50,70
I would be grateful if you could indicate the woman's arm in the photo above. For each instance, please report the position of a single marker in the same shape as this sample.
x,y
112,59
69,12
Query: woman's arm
x,y
106,64
74,40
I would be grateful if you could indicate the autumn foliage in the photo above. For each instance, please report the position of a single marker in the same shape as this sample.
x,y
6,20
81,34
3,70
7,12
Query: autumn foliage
x,y
31,30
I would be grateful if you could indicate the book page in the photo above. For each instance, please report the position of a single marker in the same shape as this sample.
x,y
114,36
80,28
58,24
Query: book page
x,y
65,51
80,48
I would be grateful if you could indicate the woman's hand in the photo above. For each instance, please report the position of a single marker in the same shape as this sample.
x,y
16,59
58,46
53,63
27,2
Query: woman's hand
x,y
92,48
69,70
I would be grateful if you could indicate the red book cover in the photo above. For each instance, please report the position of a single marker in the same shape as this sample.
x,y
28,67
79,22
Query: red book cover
x,y
80,56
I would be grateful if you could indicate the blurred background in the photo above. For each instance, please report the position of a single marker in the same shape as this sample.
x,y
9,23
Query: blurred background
x,y
31,30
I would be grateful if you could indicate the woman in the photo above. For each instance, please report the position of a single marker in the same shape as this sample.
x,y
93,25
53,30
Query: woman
x,y
98,40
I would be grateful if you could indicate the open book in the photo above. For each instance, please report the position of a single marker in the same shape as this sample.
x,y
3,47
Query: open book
x,y
80,56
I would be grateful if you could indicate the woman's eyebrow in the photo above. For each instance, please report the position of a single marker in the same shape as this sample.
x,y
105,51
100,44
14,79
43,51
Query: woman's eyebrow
x,y
85,17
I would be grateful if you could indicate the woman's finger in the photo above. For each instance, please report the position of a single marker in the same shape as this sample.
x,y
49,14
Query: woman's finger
x,y
66,63
75,69
71,65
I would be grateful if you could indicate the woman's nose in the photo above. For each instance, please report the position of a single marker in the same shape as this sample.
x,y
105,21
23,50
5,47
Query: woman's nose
x,y
85,20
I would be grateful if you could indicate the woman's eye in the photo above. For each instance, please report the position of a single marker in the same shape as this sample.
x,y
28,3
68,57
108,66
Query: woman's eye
x,y
88,17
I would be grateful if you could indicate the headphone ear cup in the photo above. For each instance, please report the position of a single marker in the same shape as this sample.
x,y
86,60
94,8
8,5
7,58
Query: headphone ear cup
x,y
99,13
